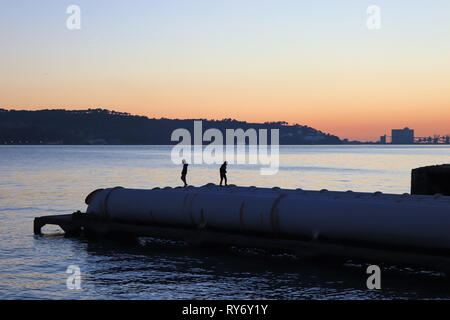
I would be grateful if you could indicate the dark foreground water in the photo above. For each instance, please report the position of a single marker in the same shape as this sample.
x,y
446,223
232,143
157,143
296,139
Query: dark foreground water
x,y
43,180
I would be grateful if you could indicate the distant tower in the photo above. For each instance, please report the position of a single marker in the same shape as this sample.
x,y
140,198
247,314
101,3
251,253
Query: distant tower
x,y
383,139
402,136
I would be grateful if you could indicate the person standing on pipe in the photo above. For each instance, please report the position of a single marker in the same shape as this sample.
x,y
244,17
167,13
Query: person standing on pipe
x,y
223,173
184,172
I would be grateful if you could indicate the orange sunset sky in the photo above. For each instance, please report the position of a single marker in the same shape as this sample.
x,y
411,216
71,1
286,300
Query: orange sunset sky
x,y
312,63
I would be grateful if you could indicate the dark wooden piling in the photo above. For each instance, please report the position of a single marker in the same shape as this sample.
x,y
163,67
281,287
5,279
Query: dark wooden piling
x,y
431,180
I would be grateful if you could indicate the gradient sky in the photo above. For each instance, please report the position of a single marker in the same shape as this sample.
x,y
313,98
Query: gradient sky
x,y
307,62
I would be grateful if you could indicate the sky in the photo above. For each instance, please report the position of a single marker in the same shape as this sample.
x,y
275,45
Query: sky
x,y
314,63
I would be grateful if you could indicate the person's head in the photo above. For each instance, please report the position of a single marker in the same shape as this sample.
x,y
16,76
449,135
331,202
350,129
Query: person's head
x,y
184,161
225,163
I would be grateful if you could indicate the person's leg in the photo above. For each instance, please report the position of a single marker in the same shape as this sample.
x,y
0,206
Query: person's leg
x,y
225,177
221,179
183,178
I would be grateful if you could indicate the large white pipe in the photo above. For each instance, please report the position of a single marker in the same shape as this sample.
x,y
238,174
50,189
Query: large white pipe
x,y
387,219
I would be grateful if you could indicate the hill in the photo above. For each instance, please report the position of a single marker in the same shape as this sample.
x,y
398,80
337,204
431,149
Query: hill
x,y
101,126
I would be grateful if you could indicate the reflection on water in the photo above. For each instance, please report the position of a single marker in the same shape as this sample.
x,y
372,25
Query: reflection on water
x,y
42,180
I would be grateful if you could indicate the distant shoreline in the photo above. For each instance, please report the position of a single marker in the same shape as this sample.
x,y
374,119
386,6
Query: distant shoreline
x,y
281,145
108,127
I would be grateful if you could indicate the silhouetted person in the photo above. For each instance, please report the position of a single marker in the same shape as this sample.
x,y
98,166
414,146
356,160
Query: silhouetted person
x,y
184,172
223,173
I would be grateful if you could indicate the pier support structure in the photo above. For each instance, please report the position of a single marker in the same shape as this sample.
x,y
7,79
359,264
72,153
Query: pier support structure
x,y
431,180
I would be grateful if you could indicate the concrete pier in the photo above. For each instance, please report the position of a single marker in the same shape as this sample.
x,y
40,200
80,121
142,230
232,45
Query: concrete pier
x,y
81,224
409,230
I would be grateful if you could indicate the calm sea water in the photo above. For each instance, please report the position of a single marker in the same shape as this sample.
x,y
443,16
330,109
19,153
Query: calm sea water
x,y
45,180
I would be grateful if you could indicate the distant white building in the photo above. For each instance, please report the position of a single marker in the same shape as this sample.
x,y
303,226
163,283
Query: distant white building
x,y
402,136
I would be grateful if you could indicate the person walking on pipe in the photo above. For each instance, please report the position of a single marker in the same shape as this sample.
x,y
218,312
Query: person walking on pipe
x,y
223,173
184,172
